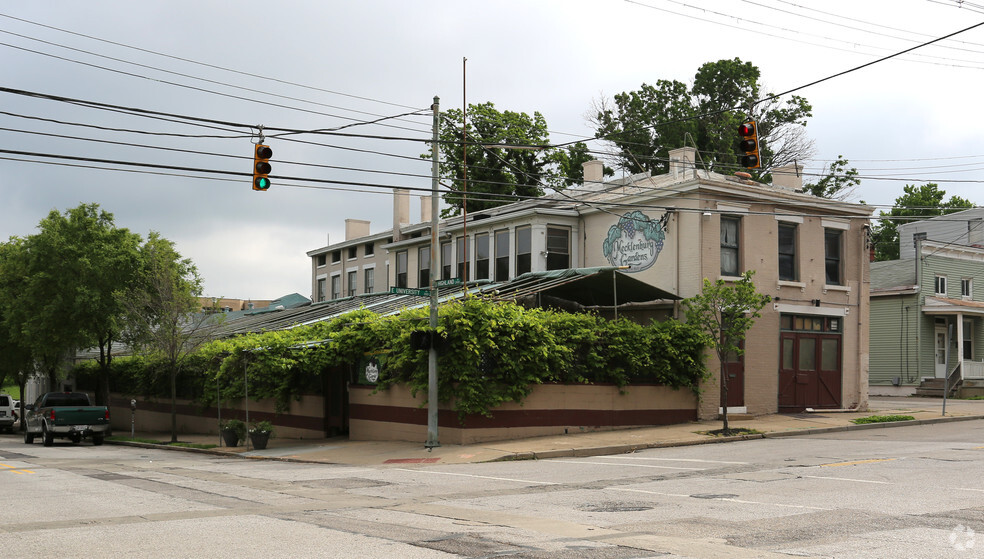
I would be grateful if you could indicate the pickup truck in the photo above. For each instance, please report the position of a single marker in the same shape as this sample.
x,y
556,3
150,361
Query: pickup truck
x,y
65,415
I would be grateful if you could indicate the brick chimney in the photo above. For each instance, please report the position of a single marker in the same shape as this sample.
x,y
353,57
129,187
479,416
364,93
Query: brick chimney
x,y
594,173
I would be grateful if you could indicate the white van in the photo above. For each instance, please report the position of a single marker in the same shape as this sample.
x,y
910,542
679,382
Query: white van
x,y
7,415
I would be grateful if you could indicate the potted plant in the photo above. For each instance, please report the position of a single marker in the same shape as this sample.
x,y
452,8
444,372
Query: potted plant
x,y
260,432
232,431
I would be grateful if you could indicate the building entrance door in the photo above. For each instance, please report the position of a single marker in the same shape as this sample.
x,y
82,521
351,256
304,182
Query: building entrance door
x,y
940,354
809,371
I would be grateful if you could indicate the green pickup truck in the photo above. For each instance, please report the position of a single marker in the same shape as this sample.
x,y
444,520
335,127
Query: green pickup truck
x,y
65,415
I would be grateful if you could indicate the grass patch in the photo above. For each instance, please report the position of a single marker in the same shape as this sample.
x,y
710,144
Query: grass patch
x,y
881,419
162,443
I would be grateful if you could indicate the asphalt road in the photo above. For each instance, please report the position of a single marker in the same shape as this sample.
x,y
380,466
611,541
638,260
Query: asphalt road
x,y
903,492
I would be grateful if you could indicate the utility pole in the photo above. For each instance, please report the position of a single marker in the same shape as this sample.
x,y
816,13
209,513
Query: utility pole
x,y
435,267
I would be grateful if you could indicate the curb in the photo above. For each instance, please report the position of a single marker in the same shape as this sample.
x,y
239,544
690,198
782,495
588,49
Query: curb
x,y
625,449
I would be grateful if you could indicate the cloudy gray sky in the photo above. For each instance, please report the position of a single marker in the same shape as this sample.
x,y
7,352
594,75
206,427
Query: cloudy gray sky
x,y
908,120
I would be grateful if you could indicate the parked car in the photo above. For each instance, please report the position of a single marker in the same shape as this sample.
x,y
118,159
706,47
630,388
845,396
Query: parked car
x,y
8,415
65,415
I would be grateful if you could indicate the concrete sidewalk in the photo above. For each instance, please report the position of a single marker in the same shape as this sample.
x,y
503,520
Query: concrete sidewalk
x,y
340,450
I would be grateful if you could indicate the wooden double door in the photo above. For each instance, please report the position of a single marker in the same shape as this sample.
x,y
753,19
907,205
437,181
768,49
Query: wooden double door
x,y
810,373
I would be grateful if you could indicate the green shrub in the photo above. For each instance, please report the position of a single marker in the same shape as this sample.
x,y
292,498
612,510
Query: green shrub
x,y
881,419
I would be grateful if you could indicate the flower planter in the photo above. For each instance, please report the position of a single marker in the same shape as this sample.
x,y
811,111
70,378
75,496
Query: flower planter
x,y
259,439
230,437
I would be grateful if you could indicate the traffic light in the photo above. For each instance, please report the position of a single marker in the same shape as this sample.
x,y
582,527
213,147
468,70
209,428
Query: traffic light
x,y
749,145
261,167
421,339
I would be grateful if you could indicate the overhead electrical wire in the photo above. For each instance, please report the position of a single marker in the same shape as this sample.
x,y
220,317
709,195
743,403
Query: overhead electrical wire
x,y
199,63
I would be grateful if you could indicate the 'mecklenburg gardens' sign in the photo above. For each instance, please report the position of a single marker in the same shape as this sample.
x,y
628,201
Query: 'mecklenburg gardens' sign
x,y
635,241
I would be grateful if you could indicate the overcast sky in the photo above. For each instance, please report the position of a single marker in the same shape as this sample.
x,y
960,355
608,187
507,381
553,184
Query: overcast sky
x,y
910,120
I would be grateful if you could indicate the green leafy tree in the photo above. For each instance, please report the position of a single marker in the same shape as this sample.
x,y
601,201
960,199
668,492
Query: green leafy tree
x,y
917,202
839,183
494,176
161,311
726,311
73,269
16,359
644,125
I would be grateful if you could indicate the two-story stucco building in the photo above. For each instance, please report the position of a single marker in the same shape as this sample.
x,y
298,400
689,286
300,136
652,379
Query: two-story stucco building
x,y
809,348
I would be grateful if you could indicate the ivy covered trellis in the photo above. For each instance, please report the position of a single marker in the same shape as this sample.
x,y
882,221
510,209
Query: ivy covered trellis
x,y
494,352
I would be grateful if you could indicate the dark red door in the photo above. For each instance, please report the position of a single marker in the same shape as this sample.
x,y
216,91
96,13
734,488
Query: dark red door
x,y
809,371
734,373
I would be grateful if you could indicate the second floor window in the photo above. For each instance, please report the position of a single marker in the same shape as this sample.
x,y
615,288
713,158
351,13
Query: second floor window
x,y
832,255
787,251
446,261
501,255
462,260
524,250
482,256
401,269
369,278
336,287
353,283
729,246
322,289
558,248
423,267
940,285
965,290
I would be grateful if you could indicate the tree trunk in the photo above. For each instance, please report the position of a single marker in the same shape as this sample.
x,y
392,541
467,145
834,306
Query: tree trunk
x,y
724,397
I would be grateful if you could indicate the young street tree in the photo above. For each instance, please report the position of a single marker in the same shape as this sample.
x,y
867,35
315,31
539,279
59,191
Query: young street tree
x,y
494,176
164,316
725,311
644,125
918,202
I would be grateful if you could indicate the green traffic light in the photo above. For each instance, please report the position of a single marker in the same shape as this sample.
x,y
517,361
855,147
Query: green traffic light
x,y
261,183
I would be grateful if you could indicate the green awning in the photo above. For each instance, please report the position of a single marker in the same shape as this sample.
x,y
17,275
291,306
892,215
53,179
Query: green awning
x,y
601,286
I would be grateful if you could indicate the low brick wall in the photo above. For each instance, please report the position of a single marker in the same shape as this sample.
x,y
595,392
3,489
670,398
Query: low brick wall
x,y
304,420
551,409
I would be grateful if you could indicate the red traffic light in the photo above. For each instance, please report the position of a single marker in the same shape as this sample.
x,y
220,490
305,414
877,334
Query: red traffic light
x,y
748,146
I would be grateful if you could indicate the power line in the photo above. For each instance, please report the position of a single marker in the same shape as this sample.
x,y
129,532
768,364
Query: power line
x,y
213,66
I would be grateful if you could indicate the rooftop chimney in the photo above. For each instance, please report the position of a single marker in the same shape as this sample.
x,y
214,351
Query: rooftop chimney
x,y
425,209
401,211
594,172
788,176
355,228
682,162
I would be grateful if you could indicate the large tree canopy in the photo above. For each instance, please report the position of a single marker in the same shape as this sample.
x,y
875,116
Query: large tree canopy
x,y
644,125
493,175
72,271
917,202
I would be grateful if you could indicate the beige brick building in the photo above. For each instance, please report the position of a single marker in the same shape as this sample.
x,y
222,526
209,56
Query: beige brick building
x,y
808,350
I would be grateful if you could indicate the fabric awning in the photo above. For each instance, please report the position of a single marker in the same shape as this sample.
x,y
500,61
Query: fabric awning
x,y
600,286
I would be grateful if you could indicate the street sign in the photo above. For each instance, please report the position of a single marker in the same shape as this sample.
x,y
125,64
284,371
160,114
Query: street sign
x,y
448,282
408,291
